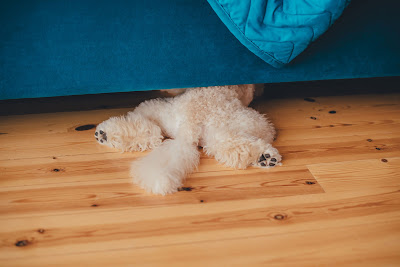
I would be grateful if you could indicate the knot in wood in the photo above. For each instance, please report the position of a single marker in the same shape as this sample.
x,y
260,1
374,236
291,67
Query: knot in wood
x,y
85,127
279,217
22,243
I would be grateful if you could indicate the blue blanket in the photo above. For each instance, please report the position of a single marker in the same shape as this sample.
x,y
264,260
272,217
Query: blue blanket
x,y
278,30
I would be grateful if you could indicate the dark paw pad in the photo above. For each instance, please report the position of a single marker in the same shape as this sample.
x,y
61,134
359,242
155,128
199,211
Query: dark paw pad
x,y
266,160
100,136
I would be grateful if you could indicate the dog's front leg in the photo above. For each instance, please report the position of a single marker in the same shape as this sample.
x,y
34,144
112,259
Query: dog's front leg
x,y
129,133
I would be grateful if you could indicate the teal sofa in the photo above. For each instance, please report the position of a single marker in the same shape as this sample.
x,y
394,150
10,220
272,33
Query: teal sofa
x,y
61,47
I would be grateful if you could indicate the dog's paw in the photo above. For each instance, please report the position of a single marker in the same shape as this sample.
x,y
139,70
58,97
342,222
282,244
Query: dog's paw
x,y
270,158
101,136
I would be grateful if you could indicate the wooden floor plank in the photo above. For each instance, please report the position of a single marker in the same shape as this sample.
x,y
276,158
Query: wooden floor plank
x,y
209,187
52,171
365,245
54,123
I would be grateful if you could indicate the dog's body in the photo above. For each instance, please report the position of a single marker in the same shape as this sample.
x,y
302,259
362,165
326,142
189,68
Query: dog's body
x,y
215,118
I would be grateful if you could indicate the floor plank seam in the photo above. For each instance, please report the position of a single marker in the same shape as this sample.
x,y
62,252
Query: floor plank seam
x,y
348,161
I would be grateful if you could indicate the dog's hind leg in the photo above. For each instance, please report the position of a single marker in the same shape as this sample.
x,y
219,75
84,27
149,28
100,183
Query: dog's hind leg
x,y
240,151
232,150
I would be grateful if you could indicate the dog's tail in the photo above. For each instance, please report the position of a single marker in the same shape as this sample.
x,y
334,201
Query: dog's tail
x,y
163,170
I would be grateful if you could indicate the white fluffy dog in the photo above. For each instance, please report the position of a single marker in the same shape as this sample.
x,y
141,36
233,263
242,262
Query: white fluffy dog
x,y
215,118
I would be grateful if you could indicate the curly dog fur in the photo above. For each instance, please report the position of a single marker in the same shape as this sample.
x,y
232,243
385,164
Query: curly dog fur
x,y
215,118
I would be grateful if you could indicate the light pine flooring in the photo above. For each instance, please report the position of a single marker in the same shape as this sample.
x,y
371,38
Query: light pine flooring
x,y
67,201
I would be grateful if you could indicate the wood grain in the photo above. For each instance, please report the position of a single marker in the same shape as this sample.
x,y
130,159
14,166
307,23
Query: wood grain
x,y
65,200
240,225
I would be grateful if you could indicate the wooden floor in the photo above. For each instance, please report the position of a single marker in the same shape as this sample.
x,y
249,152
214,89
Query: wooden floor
x,y
67,201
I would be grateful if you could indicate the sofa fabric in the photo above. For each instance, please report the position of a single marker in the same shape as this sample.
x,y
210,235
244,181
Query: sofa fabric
x,y
62,47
